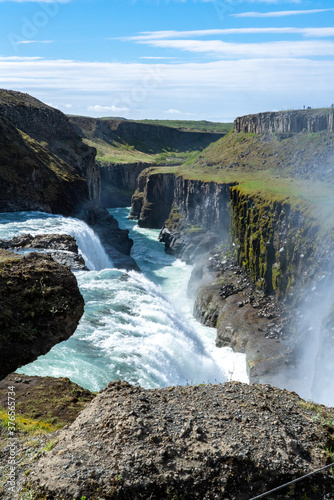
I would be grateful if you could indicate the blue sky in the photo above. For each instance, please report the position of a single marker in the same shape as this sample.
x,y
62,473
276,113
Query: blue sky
x,y
169,59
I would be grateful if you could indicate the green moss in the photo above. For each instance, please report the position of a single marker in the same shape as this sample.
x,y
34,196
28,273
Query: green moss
x,y
27,425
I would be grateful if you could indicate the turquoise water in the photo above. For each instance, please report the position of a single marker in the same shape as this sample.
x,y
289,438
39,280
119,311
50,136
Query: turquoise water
x,y
136,327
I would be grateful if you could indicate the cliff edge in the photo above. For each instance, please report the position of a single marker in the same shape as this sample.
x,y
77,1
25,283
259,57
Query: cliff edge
x,y
307,120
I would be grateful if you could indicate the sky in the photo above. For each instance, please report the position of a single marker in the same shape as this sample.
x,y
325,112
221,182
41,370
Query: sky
x,y
169,59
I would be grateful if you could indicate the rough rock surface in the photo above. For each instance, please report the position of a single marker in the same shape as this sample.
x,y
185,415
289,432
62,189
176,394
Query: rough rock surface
x,y
308,120
246,318
230,441
40,305
61,247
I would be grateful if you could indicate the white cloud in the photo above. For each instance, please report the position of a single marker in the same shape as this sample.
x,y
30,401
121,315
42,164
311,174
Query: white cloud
x,y
216,90
21,59
161,35
282,13
253,50
156,58
27,42
99,108
173,112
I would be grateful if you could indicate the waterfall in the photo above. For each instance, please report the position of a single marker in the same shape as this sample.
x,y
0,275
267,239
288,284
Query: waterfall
x,y
131,329
35,223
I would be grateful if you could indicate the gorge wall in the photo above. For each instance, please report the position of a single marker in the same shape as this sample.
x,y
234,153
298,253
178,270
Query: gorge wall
x,y
145,137
119,182
316,120
52,130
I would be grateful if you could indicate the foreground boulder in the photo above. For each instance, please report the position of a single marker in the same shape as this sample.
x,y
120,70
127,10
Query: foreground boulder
x,y
230,441
40,306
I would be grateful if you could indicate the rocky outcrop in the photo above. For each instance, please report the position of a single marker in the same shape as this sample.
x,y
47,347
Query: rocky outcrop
x,y
52,129
145,137
40,305
61,247
245,317
119,182
225,441
281,122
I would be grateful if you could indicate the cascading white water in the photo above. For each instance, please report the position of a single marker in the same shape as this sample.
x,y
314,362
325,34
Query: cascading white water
x,y
129,330
35,223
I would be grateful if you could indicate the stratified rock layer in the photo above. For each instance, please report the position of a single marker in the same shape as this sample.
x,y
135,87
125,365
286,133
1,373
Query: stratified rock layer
x,y
40,306
316,120
215,442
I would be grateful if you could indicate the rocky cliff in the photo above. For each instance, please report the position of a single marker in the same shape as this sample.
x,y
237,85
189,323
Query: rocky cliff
x,y
281,122
32,178
145,137
152,201
53,130
45,166
119,182
40,306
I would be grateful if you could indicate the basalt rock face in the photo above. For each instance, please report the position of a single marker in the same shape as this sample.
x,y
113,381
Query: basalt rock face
x,y
287,122
193,214
224,441
53,130
40,306
32,178
119,182
153,199
145,137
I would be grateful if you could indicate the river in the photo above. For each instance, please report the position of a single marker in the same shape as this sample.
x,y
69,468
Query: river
x,y
136,326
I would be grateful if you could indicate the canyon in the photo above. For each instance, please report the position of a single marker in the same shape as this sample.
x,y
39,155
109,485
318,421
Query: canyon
x,y
253,213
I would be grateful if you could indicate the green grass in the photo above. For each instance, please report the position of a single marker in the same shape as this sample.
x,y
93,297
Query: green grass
x,y
199,126
27,425
108,154
273,168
